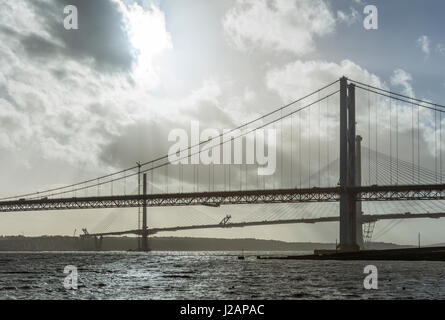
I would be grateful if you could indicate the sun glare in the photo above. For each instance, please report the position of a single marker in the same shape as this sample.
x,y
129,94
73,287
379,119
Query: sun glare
x,y
147,31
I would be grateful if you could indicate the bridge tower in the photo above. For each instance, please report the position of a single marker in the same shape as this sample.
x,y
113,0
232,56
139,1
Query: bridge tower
x,y
144,215
98,243
358,182
139,207
348,206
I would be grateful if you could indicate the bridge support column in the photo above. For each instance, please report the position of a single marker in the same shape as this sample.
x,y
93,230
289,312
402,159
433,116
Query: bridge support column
x,y
348,207
358,182
343,161
98,243
139,207
144,215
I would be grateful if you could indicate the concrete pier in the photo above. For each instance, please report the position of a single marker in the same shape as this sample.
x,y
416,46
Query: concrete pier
x,y
409,254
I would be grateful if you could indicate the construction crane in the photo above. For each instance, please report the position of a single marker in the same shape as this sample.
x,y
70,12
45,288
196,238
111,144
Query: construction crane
x,y
225,220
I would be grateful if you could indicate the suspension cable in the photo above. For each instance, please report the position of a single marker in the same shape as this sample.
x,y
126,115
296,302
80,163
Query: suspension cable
x,y
166,156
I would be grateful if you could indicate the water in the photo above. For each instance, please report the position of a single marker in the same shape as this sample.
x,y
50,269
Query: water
x,y
210,275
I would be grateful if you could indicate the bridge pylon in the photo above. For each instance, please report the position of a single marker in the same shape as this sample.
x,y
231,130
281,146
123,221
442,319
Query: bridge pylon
x,y
98,243
139,207
348,203
358,182
144,238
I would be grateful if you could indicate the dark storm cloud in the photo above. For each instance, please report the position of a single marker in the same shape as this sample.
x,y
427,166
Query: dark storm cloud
x,y
149,139
4,94
101,35
271,4
8,31
210,115
34,45
138,142
59,73
38,46
9,123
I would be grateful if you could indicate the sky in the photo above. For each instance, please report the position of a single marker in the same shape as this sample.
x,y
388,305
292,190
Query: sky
x,y
76,104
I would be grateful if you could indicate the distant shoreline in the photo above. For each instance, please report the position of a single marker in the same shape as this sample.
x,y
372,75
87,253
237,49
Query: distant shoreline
x,y
69,243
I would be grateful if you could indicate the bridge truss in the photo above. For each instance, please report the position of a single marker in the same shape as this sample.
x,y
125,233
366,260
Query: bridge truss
x,y
215,199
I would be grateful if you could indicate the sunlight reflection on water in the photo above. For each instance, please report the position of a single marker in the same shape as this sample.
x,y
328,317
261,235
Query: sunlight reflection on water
x,y
210,275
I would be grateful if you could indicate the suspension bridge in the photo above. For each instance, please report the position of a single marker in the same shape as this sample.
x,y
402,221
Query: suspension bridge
x,y
348,144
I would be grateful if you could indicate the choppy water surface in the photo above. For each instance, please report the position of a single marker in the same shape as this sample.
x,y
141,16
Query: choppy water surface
x,y
210,275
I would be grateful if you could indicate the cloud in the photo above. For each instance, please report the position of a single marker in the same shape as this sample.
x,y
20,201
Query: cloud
x,y
135,139
402,78
348,19
424,43
299,78
101,38
112,36
38,46
134,142
291,25
66,94
440,48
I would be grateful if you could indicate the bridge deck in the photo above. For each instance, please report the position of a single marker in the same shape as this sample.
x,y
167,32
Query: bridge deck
x,y
367,193
365,218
